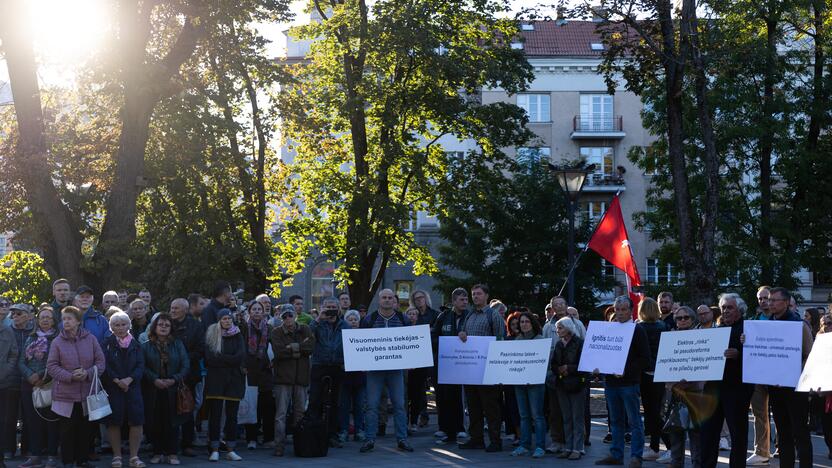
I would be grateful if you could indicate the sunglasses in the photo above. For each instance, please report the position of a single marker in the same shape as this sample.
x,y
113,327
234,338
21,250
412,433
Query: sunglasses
x,y
684,317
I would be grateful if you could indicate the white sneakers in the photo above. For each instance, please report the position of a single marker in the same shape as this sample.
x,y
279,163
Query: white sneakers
x,y
665,458
650,454
215,456
440,434
756,460
232,456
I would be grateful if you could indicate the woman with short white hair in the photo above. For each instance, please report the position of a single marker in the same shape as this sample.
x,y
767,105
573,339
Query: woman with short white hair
x,y
570,386
122,380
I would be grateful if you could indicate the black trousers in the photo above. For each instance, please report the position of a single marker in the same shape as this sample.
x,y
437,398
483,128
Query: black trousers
x,y
449,409
215,416
826,422
265,418
791,415
416,400
484,403
75,437
652,394
43,435
731,403
164,435
317,395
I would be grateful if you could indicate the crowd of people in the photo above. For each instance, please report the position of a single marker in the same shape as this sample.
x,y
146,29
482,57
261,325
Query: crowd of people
x,y
166,372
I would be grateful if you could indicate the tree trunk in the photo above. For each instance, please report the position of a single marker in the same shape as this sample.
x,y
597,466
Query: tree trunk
x,y
64,238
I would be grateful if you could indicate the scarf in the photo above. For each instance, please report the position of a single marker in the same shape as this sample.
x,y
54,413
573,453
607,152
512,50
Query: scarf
x,y
257,345
231,331
40,346
124,343
161,345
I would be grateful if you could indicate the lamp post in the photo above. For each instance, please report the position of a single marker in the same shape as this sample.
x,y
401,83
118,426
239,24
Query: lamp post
x,y
571,180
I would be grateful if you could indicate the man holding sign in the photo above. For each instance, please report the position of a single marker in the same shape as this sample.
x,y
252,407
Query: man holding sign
x,y
393,380
622,391
451,415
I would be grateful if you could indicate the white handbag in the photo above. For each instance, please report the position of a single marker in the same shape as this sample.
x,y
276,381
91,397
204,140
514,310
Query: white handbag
x,y
98,406
42,396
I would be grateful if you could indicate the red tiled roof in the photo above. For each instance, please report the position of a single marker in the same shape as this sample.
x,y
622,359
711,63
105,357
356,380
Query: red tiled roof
x,y
572,38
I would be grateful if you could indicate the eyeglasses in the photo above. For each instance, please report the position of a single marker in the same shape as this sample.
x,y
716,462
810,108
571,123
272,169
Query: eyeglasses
x,y
5,304
683,317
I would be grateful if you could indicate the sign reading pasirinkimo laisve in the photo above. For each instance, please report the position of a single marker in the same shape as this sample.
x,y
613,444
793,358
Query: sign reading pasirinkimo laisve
x,y
692,355
373,349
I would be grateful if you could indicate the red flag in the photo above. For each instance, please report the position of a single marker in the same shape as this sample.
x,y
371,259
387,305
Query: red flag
x,y
612,243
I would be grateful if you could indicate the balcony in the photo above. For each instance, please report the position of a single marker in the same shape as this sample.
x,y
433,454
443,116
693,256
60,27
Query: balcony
x,y
604,183
597,127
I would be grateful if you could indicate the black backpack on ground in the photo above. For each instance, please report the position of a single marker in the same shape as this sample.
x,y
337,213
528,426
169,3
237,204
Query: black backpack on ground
x,y
310,434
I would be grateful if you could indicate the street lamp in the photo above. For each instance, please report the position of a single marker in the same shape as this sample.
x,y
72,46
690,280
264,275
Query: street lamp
x,y
571,180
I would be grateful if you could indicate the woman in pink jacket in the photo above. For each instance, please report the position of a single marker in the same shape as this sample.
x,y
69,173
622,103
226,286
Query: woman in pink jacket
x,y
72,358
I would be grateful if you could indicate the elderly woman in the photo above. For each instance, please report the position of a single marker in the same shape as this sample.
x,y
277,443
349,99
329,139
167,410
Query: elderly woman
x,y
138,317
570,386
122,381
652,393
225,354
74,357
166,367
353,394
530,397
685,319
41,424
259,372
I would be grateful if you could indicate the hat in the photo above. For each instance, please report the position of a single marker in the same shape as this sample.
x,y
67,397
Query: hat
x,y
21,307
84,289
287,309
222,313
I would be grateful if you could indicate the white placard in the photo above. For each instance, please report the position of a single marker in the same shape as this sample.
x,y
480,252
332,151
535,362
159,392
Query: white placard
x,y
606,347
692,355
463,363
517,362
372,349
817,373
771,354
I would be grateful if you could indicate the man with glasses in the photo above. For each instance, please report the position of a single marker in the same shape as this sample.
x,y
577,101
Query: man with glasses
x,y
5,318
759,400
791,408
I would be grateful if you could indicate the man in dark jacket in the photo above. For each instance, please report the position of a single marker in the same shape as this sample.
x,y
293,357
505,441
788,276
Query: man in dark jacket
x,y
731,396
8,367
22,327
622,392
448,396
191,333
327,362
791,408
220,299
292,343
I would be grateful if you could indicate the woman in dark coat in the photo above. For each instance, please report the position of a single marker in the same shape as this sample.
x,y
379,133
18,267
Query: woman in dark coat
x,y
122,381
259,373
225,386
166,367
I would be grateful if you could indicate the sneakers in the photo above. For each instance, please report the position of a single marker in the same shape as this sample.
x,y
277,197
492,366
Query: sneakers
x,y
538,453
440,434
494,447
724,444
367,447
252,445
215,456
650,454
607,438
462,435
665,458
156,459
753,460
575,456
519,452
554,448
403,446
610,460
232,456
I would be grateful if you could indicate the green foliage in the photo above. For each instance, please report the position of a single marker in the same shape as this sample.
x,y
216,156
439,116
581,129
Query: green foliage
x,y
511,233
365,115
23,278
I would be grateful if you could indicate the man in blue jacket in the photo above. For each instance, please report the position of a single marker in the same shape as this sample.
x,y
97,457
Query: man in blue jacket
x,y
327,361
93,321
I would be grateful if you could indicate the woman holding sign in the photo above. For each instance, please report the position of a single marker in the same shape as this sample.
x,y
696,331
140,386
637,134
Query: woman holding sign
x,y
570,386
530,398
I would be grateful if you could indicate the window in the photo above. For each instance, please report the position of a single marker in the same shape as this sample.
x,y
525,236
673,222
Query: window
x,y
601,156
597,46
323,283
607,269
661,273
531,157
596,113
593,210
536,106
652,270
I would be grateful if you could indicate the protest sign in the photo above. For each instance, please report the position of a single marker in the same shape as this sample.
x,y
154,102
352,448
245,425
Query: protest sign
x,y
372,349
816,375
692,355
606,347
517,362
771,353
462,363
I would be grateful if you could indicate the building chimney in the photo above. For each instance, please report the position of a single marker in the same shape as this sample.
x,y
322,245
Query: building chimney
x,y
561,19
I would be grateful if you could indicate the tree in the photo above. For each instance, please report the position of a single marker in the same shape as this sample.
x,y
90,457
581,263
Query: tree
x,y
510,234
23,278
365,115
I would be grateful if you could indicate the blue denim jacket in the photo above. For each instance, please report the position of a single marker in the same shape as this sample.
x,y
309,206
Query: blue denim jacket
x,y
329,349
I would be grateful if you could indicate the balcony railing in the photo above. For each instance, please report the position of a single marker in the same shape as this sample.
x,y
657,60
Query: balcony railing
x,y
601,123
601,180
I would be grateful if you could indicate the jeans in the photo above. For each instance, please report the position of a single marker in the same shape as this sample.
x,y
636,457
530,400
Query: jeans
x,y
530,406
43,434
449,409
624,403
353,401
394,381
573,407
283,394
732,401
215,414
791,413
